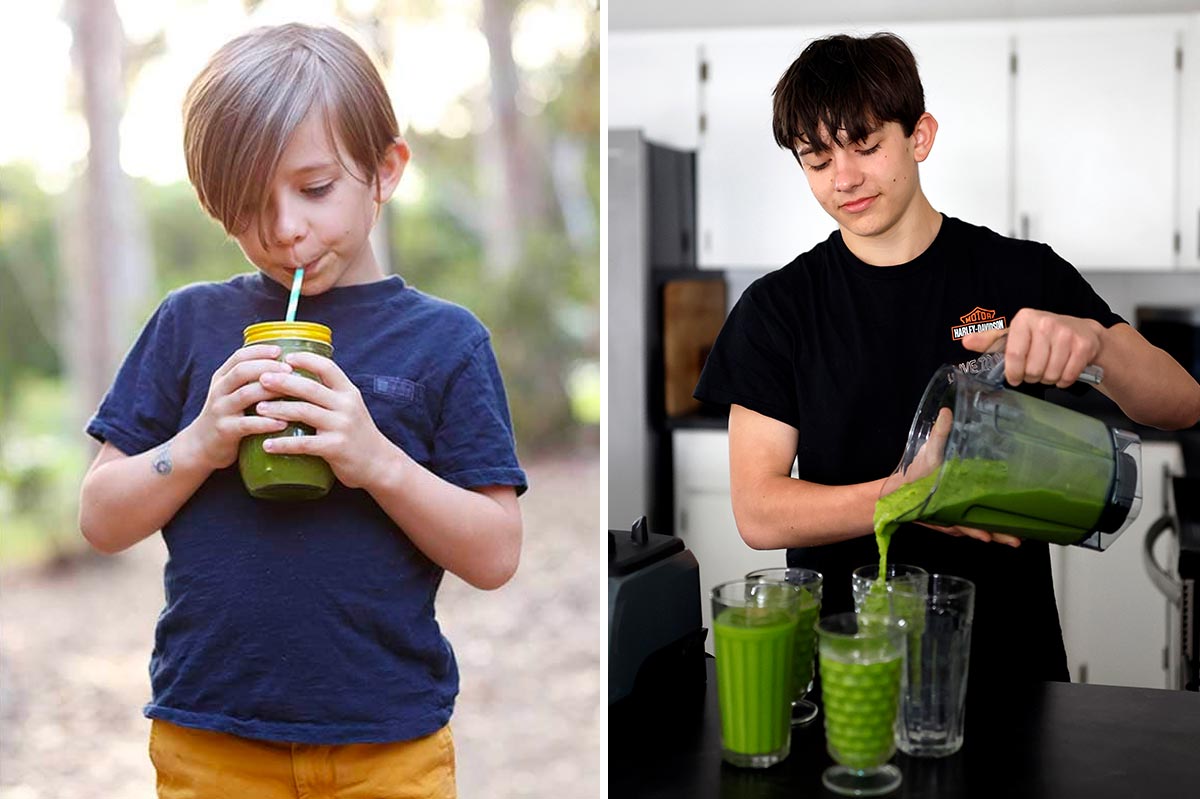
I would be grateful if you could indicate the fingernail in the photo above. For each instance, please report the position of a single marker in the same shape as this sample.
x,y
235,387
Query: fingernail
x,y
268,445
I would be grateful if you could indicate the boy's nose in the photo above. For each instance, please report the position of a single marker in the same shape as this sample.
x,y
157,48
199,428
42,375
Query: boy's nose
x,y
287,225
847,176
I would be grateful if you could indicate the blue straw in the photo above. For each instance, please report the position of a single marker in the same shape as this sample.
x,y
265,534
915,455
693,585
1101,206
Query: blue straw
x,y
295,298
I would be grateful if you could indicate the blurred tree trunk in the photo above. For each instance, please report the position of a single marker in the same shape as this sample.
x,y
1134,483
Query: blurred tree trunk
x,y
520,204
107,254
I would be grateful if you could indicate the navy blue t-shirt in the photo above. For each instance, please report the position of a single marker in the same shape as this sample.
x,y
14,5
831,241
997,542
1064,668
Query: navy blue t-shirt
x,y
311,622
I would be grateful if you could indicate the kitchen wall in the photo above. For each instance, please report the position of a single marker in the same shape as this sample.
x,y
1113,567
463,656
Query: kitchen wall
x,y
668,14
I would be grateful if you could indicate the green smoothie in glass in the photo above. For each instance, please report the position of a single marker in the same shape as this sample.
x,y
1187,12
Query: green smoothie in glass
x,y
286,477
860,682
755,652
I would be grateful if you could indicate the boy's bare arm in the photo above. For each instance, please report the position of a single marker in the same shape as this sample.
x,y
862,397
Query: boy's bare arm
x,y
476,534
127,498
1148,385
775,511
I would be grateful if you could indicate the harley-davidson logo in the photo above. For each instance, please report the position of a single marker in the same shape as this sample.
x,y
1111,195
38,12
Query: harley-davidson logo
x,y
976,321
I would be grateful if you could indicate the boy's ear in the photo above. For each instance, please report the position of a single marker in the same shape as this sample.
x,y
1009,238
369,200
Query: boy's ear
x,y
391,168
923,135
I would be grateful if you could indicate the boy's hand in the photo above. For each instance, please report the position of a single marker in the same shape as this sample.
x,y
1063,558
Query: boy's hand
x,y
235,386
1044,347
346,438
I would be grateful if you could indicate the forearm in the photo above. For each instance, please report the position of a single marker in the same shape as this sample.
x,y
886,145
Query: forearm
x,y
127,499
1150,387
468,533
778,511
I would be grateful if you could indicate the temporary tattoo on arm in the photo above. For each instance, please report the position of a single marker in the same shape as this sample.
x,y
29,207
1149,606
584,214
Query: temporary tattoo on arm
x,y
162,459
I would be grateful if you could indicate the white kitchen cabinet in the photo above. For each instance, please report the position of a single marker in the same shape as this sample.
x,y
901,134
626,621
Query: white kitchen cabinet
x,y
704,515
1189,171
1114,620
966,74
754,205
1097,127
654,85
1092,145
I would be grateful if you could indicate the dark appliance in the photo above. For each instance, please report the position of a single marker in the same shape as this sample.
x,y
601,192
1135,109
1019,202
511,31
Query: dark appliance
x,y
1178,581
655,634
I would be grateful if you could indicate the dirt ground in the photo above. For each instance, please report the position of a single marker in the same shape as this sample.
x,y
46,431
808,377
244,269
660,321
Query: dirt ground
x,y
75,645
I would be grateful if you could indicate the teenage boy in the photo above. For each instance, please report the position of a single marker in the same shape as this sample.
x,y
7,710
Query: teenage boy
x,y
825,360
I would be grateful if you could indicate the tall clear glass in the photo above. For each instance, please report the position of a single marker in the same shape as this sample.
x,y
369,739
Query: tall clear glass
x,y
933,698
754,640
810,583
860,682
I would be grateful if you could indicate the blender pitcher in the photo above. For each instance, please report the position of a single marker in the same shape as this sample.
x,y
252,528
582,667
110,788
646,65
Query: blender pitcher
x,y
982,456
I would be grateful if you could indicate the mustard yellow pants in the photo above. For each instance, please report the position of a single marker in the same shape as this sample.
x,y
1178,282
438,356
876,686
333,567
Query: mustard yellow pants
x,y
201,764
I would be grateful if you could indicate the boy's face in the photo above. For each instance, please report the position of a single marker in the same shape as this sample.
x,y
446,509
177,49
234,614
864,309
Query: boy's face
x,y
867,186
319,215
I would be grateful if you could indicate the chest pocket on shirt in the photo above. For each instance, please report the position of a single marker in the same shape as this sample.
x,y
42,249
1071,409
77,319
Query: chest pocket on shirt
x,y
401,411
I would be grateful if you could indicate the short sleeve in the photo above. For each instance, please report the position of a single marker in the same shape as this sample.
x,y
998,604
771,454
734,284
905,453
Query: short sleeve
x,y
751,362
144,405
1068,293
473,444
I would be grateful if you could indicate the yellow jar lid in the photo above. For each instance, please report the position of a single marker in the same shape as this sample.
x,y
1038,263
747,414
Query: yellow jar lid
x,y
274,331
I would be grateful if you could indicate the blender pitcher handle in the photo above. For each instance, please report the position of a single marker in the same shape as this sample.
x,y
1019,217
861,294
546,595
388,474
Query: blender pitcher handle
x,y
1091,374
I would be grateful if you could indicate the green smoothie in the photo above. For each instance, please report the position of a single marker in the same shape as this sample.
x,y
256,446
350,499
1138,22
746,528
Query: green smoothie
x,y
285,477
755,649
861,701
987,494
806,642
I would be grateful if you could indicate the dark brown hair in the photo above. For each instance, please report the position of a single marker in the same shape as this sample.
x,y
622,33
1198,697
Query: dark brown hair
x,y
849,86
246,103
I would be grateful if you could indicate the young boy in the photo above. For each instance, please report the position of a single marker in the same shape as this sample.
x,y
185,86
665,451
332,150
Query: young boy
x,y
298,653
825,360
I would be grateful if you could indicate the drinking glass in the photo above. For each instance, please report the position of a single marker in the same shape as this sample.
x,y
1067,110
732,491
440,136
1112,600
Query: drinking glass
x,y
810,582
933,697
754,640
862,578
860,683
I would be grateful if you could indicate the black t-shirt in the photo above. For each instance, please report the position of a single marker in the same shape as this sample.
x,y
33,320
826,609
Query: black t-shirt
x,y
842,351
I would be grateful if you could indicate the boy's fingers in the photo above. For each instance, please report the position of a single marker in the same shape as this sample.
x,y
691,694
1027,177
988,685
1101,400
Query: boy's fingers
x,y
302,388
1016,349
254,425
247,372
248,395
253,352
979,342
305,412
324,368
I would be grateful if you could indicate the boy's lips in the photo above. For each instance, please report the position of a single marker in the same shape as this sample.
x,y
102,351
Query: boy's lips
x,y
859,205
307,266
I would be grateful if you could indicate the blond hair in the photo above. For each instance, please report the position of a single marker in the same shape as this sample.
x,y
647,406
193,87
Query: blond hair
x,y
244,106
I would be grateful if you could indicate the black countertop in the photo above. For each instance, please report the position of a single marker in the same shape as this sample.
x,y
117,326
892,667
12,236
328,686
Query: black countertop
x,y
1059,741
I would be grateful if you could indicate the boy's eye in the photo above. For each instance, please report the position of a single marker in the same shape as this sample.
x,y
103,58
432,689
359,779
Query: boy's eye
x,y
869,151
318,191
818,167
